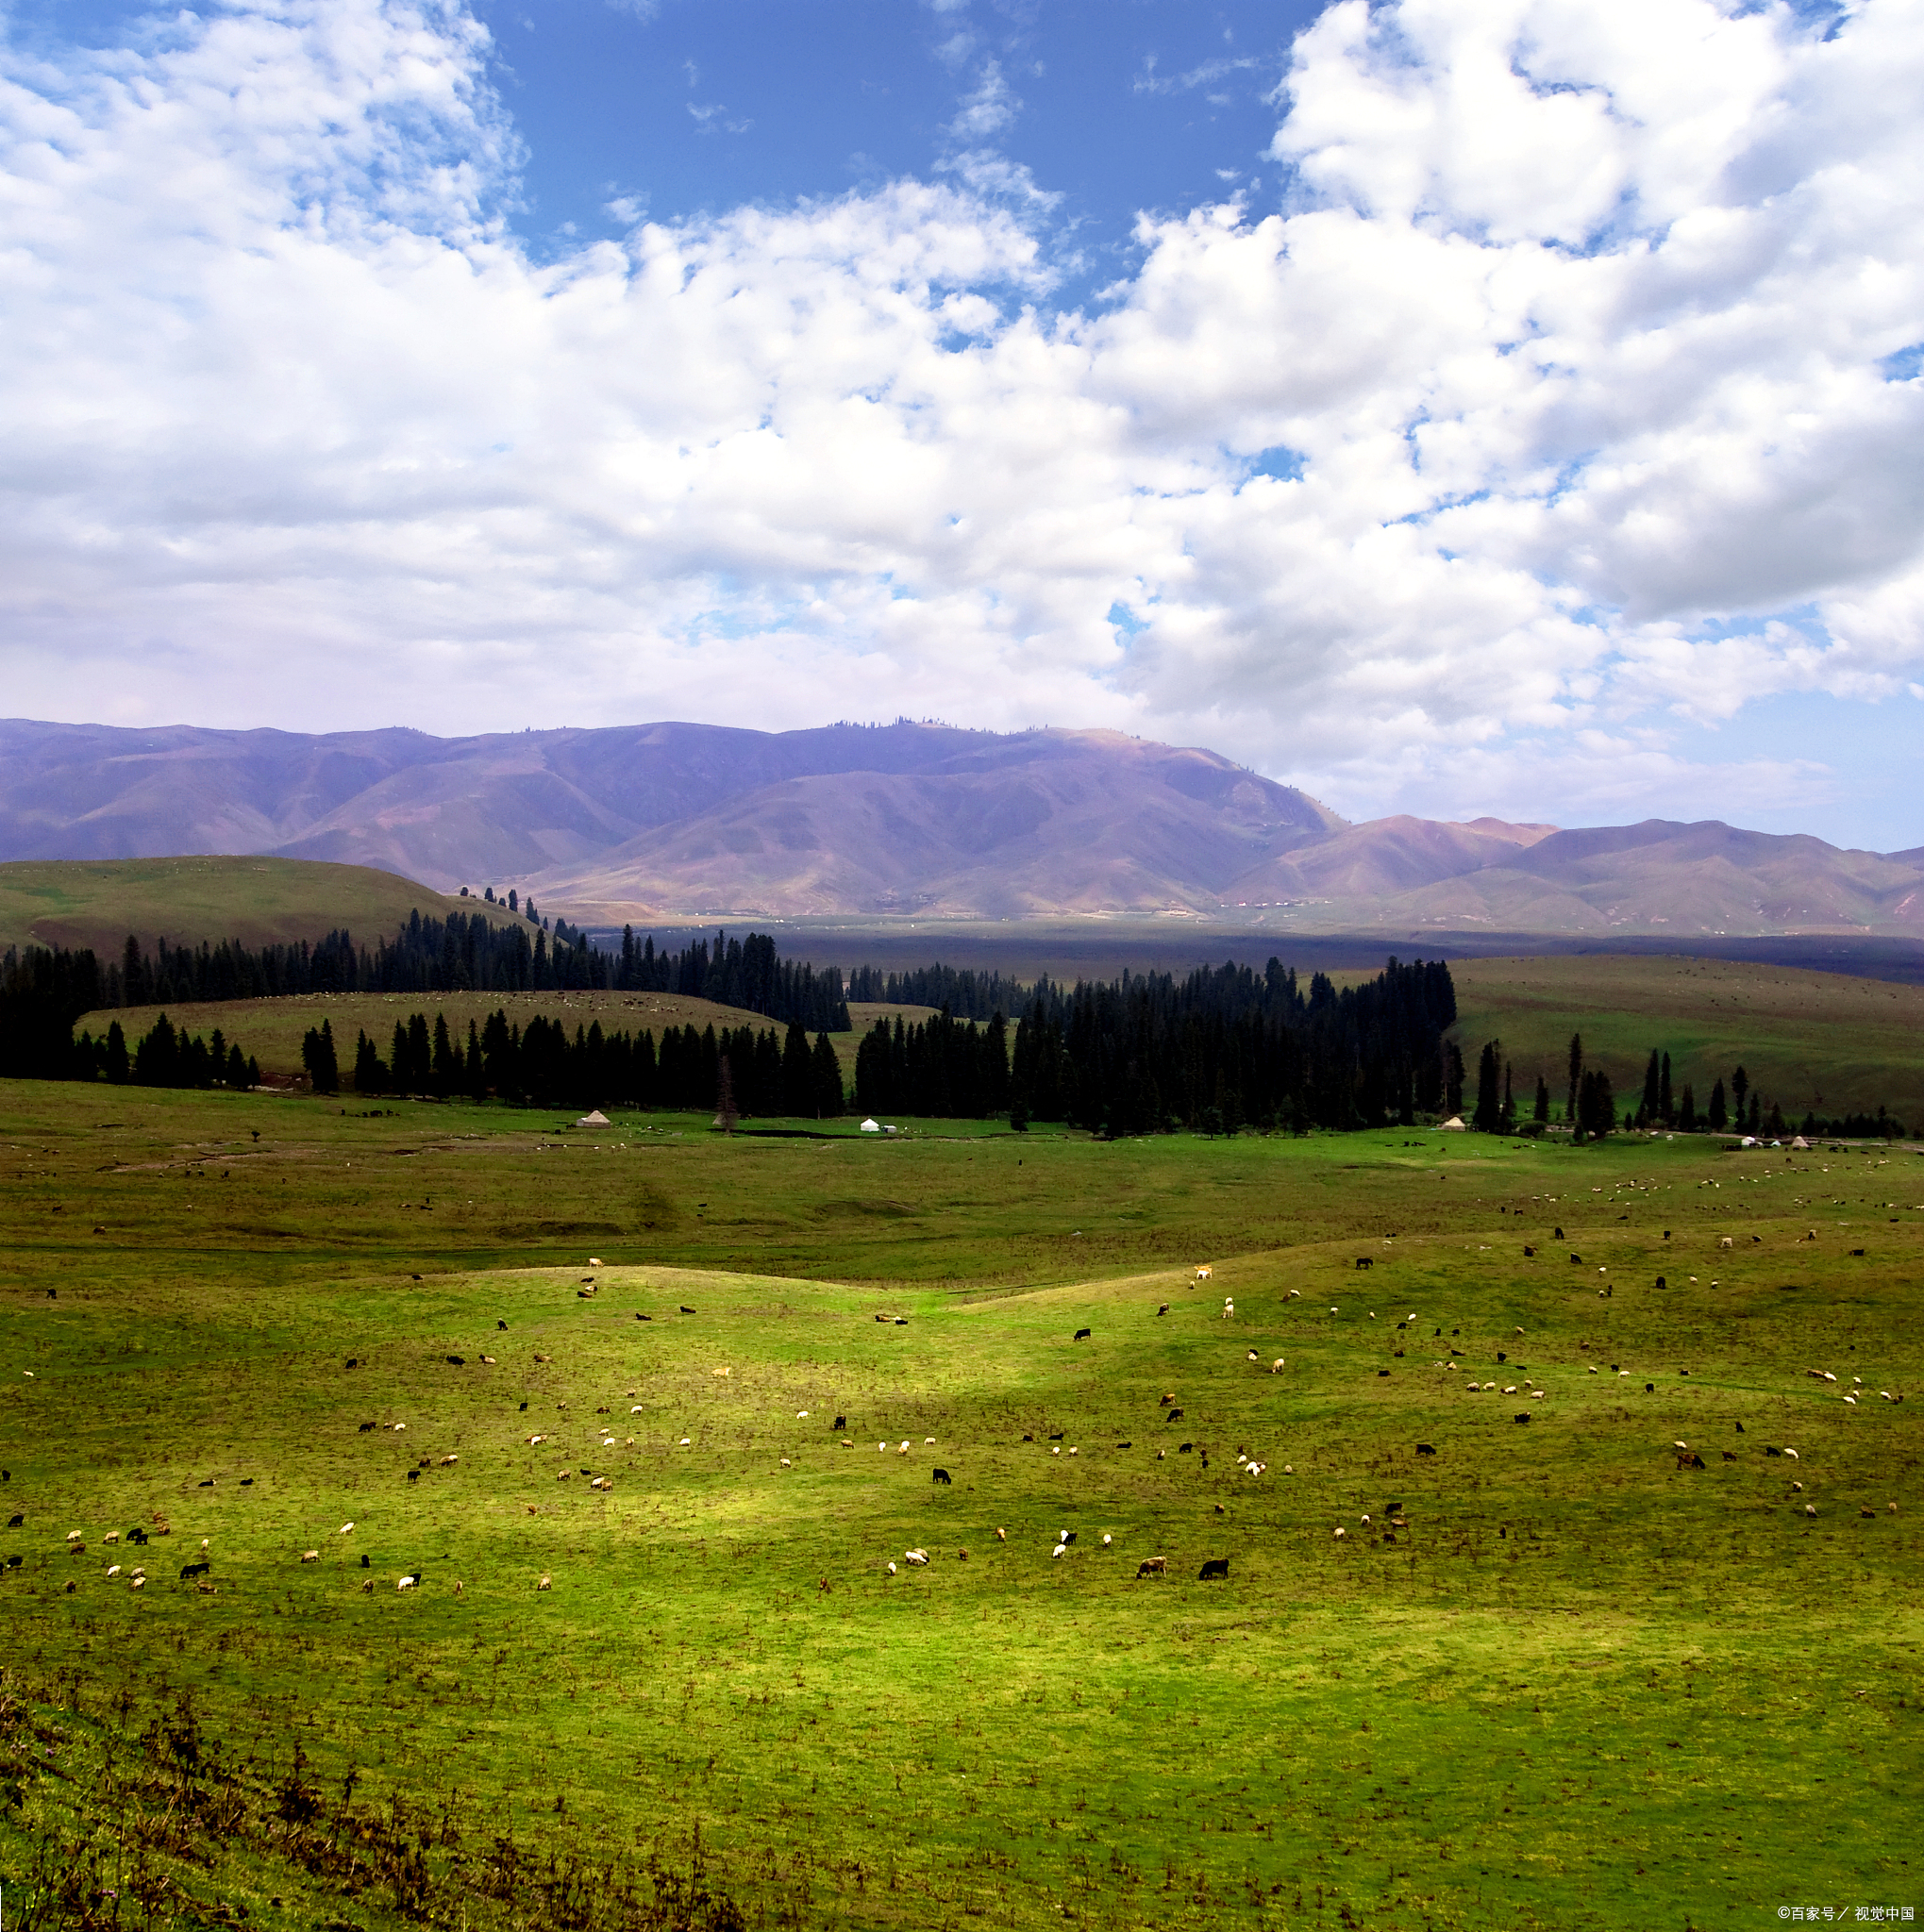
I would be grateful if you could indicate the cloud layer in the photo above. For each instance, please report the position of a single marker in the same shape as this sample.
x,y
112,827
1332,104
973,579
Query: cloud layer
x,y
1568,391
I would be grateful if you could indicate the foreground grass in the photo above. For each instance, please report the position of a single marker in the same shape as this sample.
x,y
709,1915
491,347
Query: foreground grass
x,y
1585,1687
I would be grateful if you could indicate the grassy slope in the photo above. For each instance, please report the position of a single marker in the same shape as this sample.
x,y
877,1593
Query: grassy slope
x,y
1811,1040
1583,1690
98,902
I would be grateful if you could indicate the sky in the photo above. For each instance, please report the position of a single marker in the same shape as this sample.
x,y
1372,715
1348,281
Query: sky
x,y
1447,406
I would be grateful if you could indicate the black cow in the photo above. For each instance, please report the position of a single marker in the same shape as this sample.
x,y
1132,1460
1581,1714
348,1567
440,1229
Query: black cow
x,y
644,1318
460,1361
1216,1566
1522,1415
14,1562
246,1482
686,1309
1183,1448
1693,1460
1529,1253
941,1475
1560,1234
187,1570
1057,1437
1425,1449
1125,1446
1576,1261
413,1475
137,1535
502,1325
1365,1261
1175,1415
208,1483
1081,1335
840,1422
363,1428
1662,1283
353,1361
363,1562
16,1520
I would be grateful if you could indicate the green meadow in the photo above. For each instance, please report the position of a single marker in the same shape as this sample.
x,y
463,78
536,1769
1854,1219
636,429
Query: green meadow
x,y
1546,1677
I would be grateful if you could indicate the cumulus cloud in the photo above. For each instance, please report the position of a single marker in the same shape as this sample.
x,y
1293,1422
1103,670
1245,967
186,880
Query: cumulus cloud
x,y
1567,393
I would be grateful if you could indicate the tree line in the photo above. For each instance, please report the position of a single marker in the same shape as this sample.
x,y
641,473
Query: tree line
x,y
740,1072
1590,1104
164,1056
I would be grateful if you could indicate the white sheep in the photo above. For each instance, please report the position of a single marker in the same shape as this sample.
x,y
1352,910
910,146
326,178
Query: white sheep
x,y
406,1583
919,1559
1060,1550
113,1569
891,1569
307,1557
345,1529
1107,1538
1276,1367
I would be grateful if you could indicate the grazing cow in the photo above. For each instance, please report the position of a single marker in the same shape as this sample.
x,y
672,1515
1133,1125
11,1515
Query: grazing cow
x,y
1175,1415
1724,1242
1529,1253
1216,1566
1729,1454
187,1570
1152,1566
1163,1310
364,1428
840,1422
1183,1448
1081,1335
1165,1401
136,1535
546,1582
1693,1460
1365,1261
18,1518
961,1555
1276,1367
1425,1449
1522,1416
460,1361
502,1326
1202,1273
941,1476
686,1309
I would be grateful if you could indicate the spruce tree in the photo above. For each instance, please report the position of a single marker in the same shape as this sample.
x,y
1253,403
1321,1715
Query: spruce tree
x,y
1687,1112
1715,1116
1509,1099
1666,1108
1576,1078
1488,1118
1543,1099
1740,1086
1654,1082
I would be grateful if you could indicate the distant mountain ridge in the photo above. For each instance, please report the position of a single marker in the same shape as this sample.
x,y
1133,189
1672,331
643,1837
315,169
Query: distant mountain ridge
x,y
675,821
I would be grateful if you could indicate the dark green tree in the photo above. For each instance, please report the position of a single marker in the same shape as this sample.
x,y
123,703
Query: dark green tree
x,y
118,1069
1666,1108
1543,1099
1576,1078
1488,1118
370,1076
1687,1112
1653,1083
1715,1116
1740,1086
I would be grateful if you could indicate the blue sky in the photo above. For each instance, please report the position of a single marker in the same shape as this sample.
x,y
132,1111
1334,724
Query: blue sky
x,y
1449,406
1125,104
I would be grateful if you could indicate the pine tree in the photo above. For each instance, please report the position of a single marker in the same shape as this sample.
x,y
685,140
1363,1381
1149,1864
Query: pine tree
x,y
1740,1086
370,1076
726,1114
1509,1100
1715,1116
118,1070
830,1099
1543,1099
1576,1078
1653,1081
1488,1118
1666,1108
1687,1112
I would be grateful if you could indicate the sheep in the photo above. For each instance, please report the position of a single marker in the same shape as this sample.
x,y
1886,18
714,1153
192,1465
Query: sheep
x,y
74,1536
310,1555
1724,1242
137,1583
447,1461
916,1558
786,1463
113,1569
1202,1273
546,1582
903,1448
367,1588
891,1569
1002,1536
1107,1538
345,1529
1229,1310
406,1583
929,1441
1276,1367
112,1535
1341,1532
1060,1550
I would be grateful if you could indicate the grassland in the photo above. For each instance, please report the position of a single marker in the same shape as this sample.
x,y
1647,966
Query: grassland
x,y
98,902
1811,1041
1584,1688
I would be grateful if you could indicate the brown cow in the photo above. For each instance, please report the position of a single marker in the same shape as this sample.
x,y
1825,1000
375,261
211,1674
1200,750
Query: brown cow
x,y
1152,1566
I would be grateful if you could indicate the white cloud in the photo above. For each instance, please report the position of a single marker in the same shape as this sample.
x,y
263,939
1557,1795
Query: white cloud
x,y
1573,328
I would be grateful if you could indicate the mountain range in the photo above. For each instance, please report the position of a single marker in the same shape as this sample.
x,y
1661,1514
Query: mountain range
x,y
674,822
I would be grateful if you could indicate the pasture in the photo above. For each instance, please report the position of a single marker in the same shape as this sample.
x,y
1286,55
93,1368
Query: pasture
x,y
1822,1043
1557,1679
256,900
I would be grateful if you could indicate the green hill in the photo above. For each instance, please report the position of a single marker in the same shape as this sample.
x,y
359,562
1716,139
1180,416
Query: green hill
x,y
98,902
